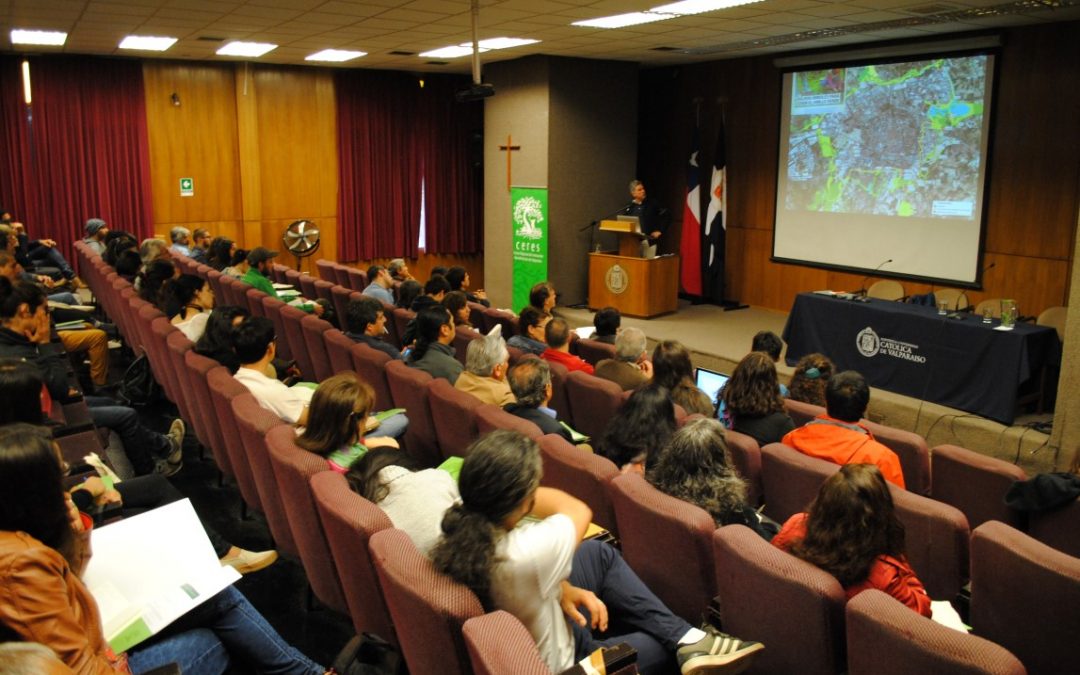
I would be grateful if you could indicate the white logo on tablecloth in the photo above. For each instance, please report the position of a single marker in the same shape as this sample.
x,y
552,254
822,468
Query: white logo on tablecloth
x,y
869,345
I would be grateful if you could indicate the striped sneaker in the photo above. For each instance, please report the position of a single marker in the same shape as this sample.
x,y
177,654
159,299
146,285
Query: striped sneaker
x,y
717,653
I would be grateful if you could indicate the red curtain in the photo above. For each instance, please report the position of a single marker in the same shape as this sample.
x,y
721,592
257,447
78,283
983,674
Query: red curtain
x,y
391,135
83,150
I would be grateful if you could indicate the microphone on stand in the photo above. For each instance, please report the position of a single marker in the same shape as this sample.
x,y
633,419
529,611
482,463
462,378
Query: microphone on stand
x,y
863,291
963,294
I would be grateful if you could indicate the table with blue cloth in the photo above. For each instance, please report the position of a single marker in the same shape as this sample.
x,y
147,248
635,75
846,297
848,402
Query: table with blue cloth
x,y
960,362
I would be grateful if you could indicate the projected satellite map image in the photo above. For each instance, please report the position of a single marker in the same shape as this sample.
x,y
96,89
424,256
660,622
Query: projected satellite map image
x,y
897,139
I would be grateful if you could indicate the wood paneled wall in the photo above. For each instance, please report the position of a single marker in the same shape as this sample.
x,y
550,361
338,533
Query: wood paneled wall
x,y
1034,188
260,143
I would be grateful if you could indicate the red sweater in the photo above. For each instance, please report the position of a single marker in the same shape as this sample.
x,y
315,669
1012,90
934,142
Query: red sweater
x,y
891,575
844,443
571,362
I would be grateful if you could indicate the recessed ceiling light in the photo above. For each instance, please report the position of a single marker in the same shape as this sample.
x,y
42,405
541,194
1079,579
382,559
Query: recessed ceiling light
x,y
450,52
334,55
502,43
699,6
246,49
147,43
624,20
38,37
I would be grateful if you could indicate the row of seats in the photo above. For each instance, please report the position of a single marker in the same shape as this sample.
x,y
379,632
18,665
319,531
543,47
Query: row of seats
x,y
645,516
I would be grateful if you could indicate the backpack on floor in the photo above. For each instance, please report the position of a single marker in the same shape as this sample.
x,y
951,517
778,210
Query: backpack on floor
x,y
138,387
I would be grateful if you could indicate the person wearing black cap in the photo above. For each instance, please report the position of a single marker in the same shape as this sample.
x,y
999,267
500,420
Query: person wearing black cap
x,y
258,260
96,229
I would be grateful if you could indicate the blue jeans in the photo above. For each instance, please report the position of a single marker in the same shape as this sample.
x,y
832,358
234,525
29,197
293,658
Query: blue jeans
x,y
393,426
65,297
45,256
140,444
227,625
635,615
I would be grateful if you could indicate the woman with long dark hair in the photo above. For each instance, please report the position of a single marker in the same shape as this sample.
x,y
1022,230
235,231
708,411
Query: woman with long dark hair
x,y
561,588
43,550
193,300
673,370
220,253
216,342
752,400
851,531
696,467
643,425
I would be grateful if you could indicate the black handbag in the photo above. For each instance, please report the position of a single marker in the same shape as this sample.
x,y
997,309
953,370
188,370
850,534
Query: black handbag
x,y
138,387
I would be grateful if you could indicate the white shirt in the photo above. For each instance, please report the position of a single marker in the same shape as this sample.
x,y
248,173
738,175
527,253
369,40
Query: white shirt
x,y
534,559
194,327
416,502
287,402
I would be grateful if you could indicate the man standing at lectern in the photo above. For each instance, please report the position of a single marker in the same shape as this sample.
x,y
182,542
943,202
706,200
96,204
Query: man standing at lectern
x,y
651,216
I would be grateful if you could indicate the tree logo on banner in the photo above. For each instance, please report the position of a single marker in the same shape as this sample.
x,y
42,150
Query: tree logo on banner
x,y
528,214
867,342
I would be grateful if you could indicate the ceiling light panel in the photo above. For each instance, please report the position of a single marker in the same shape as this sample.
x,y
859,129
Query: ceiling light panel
x,y
502,43
699,6
624,20
454,52
335,55
147,43
38,37
251,49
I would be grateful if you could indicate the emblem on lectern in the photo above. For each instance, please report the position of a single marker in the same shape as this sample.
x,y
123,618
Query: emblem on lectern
x,y
616,279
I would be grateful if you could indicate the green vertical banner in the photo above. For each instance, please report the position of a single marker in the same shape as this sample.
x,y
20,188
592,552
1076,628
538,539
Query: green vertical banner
x,y
529,218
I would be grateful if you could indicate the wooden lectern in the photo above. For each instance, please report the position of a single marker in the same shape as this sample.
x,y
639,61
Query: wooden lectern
x,y
636,286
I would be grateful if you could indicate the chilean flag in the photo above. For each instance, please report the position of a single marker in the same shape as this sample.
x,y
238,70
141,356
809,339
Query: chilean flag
x,y
690,245
715,227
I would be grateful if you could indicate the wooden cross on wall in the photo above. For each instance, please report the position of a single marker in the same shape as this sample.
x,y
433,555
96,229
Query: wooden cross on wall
x,y
508,148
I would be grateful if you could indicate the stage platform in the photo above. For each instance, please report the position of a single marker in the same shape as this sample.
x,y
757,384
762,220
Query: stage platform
x,y
717,340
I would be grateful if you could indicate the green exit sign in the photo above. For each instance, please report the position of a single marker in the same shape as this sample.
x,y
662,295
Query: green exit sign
x,y
187,187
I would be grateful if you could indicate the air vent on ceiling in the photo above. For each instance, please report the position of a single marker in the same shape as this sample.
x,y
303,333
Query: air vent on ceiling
x,y
400,52
211,38
665,49
437,63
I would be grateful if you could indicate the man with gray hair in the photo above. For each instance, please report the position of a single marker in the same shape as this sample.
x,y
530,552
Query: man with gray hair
x,y
153,249
486,362
399,271
530,380
631,367
181,238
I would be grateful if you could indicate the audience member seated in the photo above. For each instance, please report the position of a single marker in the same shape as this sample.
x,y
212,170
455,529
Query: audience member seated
x,y
696,467
200,244
399,271
439,271
41,255
96,231
530,381
194,299
673,371
257,276
531,331
407,294
643,425
365,319
220,253
414,499
770,344
340,416
486,362
25,335
379,284
557,337
631,367
752,400
433,352
566,592
238,264
20,385
13,270
812,373
44,548
838,437
116,242
152,281
435,290
607,322
851,531
458,278
542,296
255,349
217,339
128,264
181,240
24,272
458,306
153,249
